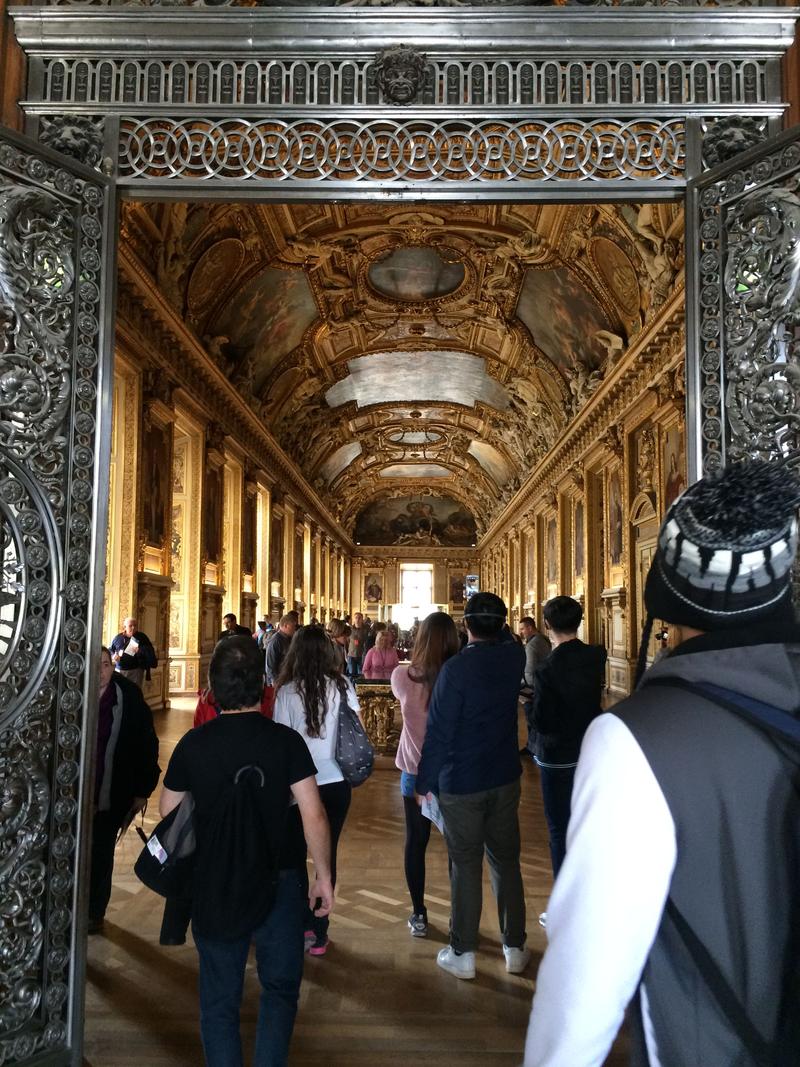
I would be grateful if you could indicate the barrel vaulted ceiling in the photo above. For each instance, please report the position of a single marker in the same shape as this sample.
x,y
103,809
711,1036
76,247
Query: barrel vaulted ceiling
x,y
424,356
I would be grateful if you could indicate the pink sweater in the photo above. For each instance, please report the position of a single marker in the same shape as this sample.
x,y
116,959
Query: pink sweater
x,y
413,697
379,663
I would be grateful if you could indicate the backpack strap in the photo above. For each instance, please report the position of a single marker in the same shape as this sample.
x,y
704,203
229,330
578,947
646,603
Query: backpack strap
x,y
779,724
774,720
762,1051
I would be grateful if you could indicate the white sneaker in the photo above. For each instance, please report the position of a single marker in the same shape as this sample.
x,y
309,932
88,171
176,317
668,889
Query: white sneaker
x,y
462,966
543,920
517,959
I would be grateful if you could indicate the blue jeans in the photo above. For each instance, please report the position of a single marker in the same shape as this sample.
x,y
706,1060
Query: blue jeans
x,y
557,798
353,666
279,960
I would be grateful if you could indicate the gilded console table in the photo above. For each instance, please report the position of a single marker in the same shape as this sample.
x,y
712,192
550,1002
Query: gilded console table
x,y
380,711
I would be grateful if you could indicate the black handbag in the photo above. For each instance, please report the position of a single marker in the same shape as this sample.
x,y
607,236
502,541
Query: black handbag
x,y
354,752
166,862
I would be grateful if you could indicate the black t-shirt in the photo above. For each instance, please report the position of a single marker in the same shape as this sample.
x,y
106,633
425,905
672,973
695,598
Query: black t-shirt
x,y
208,757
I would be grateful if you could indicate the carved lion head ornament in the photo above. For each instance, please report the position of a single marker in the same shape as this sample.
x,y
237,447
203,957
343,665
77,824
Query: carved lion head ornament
x,y
400,72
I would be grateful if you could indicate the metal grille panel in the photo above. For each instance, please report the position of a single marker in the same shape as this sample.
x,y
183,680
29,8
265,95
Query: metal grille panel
x,y
452,83
388,151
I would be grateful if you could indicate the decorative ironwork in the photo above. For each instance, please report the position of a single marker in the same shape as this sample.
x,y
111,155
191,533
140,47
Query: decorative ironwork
x,y
749,306
133,82
51,280
389,151
409,3
729,136
78,136
400,71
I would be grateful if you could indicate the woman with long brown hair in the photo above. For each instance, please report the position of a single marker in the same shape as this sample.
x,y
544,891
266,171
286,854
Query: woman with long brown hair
x,y
412,683
309,688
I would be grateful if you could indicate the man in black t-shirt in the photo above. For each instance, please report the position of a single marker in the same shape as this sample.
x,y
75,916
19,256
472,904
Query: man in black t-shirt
x,y
204,763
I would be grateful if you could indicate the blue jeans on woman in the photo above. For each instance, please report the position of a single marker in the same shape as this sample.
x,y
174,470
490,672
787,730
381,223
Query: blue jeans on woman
x,y
279,961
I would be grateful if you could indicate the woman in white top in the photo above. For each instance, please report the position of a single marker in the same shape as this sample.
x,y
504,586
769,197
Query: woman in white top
x,y
308,691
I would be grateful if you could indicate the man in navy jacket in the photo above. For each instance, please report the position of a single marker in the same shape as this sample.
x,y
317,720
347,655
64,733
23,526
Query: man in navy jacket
x,y
470,758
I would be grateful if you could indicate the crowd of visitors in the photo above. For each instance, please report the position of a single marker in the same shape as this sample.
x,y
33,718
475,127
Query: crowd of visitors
x,y
673,817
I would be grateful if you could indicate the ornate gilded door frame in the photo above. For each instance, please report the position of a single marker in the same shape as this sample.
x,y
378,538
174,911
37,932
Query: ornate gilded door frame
x,y
56,274
743,303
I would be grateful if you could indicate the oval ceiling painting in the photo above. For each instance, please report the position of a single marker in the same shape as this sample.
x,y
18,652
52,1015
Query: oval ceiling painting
x,y
415,274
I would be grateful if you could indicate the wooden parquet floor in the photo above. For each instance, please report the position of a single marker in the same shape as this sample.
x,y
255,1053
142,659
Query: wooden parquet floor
x,y
377,999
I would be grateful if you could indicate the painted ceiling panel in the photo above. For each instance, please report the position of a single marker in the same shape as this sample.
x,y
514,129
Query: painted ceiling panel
x,y
430,520
415,274
341,458
562,316
491,460
415,470
392,377
268,317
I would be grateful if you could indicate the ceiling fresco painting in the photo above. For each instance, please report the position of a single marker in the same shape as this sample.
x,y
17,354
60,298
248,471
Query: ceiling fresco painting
x,y
392,348
562,316
268,317
425,521
455,377
415,274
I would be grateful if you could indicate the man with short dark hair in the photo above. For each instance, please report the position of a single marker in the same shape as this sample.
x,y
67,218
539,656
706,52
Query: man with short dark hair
x,y
205,763
566,697
537,649
231,628
470,758
278,645
680,886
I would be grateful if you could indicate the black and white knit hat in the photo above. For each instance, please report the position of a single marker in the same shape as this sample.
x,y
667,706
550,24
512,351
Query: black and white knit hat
x,y
725,550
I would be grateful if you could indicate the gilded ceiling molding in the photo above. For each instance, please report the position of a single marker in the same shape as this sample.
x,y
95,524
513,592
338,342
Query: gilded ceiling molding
x,y
144,315
662,346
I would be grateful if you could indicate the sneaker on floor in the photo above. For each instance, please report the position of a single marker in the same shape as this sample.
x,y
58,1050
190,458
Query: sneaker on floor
x,y
418,925
517,959
319,946
462,966
309,937
95,926
543,920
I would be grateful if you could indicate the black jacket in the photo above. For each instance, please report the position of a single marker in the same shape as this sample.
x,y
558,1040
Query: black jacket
x,y
566,697
134,769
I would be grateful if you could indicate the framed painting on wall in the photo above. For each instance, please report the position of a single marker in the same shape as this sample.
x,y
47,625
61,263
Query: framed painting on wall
x,y
674,465
212,508
579,556
156,449
615,518
552,552
373,588
457,582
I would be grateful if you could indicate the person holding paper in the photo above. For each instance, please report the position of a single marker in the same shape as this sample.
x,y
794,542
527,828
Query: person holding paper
x,y
132,653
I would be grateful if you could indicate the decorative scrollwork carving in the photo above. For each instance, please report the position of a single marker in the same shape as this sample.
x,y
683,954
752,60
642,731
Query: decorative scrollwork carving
x,y
762,285
51,228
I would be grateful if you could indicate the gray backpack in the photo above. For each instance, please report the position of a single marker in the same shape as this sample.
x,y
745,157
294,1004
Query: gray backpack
x,y
354,752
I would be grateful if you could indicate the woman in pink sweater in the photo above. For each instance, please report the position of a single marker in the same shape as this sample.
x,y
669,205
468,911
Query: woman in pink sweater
x,y
382,658
436,641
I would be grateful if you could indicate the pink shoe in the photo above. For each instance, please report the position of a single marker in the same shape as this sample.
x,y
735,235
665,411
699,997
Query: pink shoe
x,y
320,947
309,937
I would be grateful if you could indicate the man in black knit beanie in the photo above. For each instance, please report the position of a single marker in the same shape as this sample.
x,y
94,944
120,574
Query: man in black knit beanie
x,y
680,892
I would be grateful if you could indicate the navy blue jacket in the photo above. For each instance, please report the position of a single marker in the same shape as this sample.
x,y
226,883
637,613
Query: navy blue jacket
x,y
471,739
